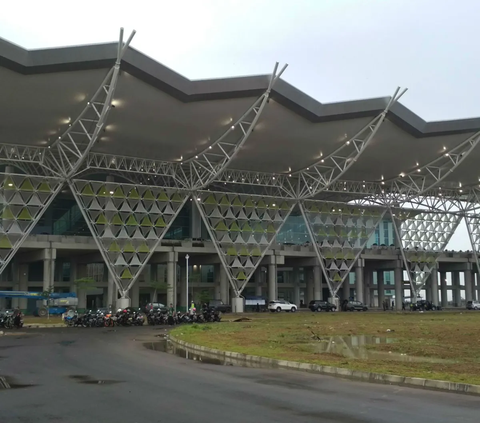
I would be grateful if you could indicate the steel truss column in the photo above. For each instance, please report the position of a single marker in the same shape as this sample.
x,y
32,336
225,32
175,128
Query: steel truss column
x,y
426,177
473,228
127,222
67,153
23,200
242,229
320,175
339,233
422,239
205,166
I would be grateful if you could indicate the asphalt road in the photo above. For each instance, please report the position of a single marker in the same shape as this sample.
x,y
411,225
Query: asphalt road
x,y
60,369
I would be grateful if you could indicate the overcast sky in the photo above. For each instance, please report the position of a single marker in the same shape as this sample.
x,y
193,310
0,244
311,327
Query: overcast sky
x,y
337,49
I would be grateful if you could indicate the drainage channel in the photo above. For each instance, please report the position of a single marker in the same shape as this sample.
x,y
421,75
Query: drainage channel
x,y
165,346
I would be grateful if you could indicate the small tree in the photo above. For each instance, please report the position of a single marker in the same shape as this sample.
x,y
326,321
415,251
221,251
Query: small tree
x,y
158,286
47,295
204,297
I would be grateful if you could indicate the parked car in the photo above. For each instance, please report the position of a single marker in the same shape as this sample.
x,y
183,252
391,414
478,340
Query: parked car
x,y
320,305
219,305
156,306
281,305
473,305
356,306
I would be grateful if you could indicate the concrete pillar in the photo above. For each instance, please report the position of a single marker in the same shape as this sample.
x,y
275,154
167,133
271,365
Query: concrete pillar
x,y
49,267
309,294
224,286
478,286
368,281
257,277
434,285
171,278
456,288
359,285
216,281
317,283
81,272
296,286
428,288
183,287
468,285
398,275
111,291
444,288
272,281
134,295
380,288
22,272
16,284
346,289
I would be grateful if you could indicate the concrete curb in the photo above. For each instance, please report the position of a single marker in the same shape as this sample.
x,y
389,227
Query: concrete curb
x,y
256,361
34,326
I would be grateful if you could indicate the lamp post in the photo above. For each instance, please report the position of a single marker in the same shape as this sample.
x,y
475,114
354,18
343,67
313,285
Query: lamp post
x,y
186,296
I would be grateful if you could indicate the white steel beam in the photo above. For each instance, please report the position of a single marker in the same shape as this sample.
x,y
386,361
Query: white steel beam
x,y
202,168
428,176
320,175
68,152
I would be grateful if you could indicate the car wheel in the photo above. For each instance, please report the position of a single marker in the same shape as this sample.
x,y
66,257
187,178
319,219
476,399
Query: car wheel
x,y
365,309
293,309
351,309
279,309
475,308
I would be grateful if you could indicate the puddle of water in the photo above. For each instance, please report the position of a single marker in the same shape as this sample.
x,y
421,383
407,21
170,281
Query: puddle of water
x,y
6,382
91,381
354,347
168,347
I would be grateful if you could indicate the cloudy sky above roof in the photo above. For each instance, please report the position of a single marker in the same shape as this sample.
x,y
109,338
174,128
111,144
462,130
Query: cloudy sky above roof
x,y
337,49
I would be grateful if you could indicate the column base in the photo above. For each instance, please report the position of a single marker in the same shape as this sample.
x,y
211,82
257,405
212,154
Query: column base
x,y
123,303
238,305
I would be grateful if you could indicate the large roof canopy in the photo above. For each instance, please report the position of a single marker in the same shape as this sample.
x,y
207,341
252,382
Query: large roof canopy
x,y
162,115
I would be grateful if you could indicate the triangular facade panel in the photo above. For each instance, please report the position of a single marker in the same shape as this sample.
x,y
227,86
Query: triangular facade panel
x,y
23,201
242,229
424,237
128,227
340,234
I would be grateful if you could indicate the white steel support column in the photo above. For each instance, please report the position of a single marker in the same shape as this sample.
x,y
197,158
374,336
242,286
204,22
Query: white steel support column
x,y
359,283
82,272
216,280
398,275
22,271
111,292
224,288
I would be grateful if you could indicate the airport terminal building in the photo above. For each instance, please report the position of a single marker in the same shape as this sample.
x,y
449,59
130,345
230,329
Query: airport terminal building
x,y
129,184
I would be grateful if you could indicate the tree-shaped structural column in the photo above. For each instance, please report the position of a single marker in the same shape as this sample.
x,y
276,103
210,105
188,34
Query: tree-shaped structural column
x,y
423,237
339,233
23,201
242,228
128,222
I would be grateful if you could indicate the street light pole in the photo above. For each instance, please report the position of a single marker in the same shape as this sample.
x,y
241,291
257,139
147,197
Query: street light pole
x,y
186,296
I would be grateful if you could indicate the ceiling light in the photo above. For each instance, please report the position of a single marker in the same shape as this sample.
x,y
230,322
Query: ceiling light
x,y
348,142
417,163
322,160
233,127
444,148
418,170
196,157
273,205
210,147
111,192
10,185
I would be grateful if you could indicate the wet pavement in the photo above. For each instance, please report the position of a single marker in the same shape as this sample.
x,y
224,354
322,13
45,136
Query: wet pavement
x,y
134,375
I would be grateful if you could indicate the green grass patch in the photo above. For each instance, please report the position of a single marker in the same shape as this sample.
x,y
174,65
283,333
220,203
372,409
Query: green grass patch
x,y
442,345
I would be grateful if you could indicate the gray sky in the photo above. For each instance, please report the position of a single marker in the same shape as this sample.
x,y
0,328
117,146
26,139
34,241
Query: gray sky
x,y
337,49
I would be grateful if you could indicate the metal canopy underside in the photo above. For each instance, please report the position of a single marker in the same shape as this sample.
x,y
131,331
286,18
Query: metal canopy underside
x,y
160,115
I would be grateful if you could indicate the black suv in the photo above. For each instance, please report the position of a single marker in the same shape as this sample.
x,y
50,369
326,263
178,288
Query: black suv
x,y
320,305
356,306
219,305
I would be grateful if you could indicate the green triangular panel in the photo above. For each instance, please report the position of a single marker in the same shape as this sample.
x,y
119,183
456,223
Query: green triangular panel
x,y
242,229
128,221
26,186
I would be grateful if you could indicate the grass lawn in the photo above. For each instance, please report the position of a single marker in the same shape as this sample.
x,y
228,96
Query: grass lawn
x,y
443,345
